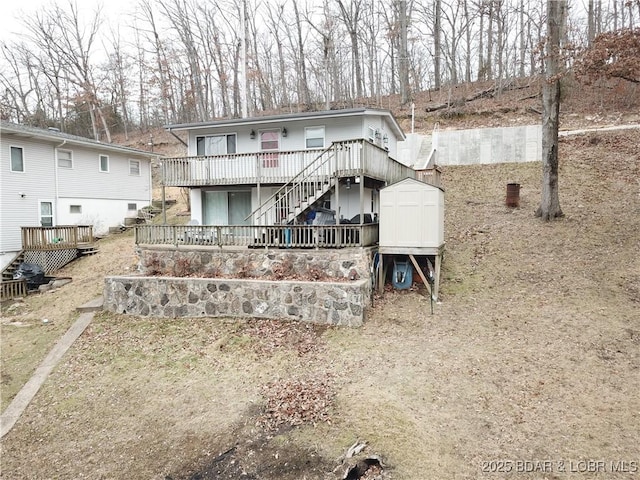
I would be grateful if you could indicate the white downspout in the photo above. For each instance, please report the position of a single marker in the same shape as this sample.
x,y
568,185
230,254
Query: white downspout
x,y
55,172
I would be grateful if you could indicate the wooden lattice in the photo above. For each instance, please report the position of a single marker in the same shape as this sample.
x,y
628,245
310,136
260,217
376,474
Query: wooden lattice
x,y
52,260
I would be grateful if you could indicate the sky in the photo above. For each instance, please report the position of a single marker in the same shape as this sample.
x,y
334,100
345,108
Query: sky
x,y
14,11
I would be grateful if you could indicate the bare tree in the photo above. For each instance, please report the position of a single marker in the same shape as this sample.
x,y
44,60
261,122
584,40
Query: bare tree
x,y
351,19
303,91
550,202
437,43
63,33
405,90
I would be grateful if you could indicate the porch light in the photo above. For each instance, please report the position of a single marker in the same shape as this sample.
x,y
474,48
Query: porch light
x,y
348,187
377,134
284,132
252,135
385,139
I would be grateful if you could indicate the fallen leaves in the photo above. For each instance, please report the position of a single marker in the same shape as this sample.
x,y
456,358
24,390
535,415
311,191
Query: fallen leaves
x,y
297,401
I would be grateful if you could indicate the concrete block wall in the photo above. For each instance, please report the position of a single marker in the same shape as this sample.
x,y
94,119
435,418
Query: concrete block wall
x,y
490,145
335,303
480,146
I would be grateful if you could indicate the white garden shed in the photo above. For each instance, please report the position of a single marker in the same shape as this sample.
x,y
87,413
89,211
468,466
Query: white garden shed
x,y
412,224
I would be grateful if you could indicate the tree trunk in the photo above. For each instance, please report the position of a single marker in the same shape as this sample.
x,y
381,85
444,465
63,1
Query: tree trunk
x,y
591,24
304,96
437,46
550,201
405,93
467,33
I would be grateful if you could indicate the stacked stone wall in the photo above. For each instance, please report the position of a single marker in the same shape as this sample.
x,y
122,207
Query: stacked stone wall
x,y
336,303
273,264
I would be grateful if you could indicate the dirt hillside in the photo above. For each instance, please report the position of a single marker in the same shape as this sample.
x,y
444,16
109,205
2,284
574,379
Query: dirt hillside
x,y
528,367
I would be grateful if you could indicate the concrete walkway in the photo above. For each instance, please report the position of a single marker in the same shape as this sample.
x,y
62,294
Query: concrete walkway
x,y
13,412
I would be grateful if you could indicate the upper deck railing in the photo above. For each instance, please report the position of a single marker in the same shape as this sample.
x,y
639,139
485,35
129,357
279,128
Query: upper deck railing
x,y
352,157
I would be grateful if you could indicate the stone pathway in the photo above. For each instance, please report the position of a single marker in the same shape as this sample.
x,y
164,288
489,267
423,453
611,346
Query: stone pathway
x,y
17,406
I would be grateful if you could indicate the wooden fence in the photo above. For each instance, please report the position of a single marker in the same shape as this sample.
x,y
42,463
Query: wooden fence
x,y
264,236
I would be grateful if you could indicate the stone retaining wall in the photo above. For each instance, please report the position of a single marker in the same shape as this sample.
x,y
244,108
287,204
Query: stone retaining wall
x,y
337,303
339,264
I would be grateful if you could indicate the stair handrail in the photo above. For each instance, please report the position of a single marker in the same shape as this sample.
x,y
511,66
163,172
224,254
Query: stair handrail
x,y
321,160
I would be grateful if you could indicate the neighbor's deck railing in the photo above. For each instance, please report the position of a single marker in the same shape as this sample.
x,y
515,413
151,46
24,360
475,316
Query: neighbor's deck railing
x,y
431,176
13,289
282,236
60,237
350,157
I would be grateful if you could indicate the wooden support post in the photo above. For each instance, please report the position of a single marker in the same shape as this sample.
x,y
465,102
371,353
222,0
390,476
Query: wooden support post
x,y
381,276
361,198
337,187
421,273
436,282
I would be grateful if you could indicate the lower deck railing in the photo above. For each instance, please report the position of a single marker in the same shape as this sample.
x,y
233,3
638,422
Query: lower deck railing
x,y
278,236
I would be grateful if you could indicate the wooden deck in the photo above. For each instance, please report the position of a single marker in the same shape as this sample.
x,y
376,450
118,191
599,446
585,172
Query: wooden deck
x,y
263,236
342,159
61,237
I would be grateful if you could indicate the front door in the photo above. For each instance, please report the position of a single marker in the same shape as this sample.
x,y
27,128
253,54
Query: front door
x,y
239,207
46,214
270,144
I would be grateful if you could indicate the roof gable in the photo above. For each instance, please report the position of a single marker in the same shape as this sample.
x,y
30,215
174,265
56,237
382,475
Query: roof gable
x,y
284,118
54,135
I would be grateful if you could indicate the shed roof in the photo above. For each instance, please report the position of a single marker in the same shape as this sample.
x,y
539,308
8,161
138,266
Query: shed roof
x,y
413,180
57,136
280,118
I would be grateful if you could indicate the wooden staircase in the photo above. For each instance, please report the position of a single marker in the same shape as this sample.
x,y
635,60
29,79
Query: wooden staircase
x,y
9,270
87,249
298,195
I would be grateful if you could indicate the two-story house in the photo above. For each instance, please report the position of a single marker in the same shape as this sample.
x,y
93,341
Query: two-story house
x,y
282,170
49,178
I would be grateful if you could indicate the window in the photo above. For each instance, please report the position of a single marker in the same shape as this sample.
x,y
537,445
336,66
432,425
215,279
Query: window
x,y
314,137
104,163
270,140
75,208
46,214
17,159
132,206
216,144
371,134
65,159
134,167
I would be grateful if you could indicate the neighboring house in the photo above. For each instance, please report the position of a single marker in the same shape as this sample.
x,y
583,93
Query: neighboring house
x,y
274,170
49,178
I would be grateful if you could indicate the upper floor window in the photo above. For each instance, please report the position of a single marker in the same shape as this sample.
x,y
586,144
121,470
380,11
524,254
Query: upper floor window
x,y
104,163
216,144
134,167
371,134
17,159
65,158
314,137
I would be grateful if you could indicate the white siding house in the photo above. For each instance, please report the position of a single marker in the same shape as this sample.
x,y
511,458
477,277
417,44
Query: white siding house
x,y
236,169
49,178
